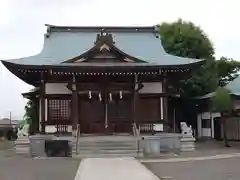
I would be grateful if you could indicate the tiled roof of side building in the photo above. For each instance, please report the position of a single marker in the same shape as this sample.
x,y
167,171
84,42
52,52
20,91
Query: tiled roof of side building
x,y
233,86
62,43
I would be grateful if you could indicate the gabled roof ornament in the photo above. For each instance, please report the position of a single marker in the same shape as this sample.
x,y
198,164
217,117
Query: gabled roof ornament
x,y
104,37
47,34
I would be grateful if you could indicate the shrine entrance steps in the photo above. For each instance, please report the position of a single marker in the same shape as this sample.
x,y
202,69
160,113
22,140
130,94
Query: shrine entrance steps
x,y
107,146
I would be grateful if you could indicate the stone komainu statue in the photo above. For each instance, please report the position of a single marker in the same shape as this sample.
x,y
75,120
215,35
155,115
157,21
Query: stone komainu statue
x,y
185,129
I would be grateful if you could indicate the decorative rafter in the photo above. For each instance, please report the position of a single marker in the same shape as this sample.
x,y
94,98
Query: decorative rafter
x,y
128,60
104,47
80,60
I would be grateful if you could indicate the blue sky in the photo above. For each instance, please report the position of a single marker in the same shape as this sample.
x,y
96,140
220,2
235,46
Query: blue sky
x,y
22,28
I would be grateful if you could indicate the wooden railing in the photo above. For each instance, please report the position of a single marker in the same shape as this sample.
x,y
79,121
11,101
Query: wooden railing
x,y
62,128
135,129
148,127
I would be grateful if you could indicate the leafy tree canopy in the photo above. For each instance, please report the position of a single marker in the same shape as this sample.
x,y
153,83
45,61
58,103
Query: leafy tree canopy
x,y
222,101
182,38
227,70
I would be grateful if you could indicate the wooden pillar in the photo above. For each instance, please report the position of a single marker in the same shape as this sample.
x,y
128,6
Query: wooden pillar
x,y
106,123
74,106
35,123
37,114
134,98
42,104
165,103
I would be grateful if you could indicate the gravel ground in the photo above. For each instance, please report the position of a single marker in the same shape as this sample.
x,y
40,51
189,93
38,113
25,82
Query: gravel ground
x,y
23,167
18,168
222,169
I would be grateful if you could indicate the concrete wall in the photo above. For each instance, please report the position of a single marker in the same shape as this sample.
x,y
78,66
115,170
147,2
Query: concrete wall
x,y
206,132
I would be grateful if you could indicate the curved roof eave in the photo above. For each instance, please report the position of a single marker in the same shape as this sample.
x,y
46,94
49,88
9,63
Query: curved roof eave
x,y
34,60
9,64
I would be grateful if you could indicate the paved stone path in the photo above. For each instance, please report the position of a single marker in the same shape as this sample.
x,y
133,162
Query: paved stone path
x,y
113,168
217,169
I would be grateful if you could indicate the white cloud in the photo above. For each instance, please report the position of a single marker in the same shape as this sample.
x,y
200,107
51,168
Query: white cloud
x,y
21,27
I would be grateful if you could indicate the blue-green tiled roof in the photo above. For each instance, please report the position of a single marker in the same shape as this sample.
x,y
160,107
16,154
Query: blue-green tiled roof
x,y
64,45
234,86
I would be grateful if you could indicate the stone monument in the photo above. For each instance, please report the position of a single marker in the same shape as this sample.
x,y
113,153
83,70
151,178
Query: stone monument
x,y
187,139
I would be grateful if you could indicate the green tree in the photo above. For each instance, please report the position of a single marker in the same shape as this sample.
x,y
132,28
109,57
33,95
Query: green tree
x,y
222,102
227,70
184,39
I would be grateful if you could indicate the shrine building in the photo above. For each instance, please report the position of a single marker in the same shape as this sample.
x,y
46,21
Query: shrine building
x,y
104,80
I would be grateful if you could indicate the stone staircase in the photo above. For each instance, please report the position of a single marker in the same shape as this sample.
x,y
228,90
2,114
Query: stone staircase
x,y
107,146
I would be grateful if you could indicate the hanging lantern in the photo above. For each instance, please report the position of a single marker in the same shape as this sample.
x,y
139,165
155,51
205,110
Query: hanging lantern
x,y
100,97
110,96
120,94
89,94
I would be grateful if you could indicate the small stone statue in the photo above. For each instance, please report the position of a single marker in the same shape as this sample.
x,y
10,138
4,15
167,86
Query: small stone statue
x,y
185,129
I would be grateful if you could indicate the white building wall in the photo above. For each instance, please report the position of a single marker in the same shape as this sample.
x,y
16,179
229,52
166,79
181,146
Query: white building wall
x,y
57,88
152,87
206,132
61,88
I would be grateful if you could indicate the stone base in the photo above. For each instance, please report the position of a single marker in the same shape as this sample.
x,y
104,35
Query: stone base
x,y
22,145
187,143
160,143
37,144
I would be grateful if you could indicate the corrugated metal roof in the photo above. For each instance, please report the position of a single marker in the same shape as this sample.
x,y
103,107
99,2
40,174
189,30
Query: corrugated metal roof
x,y
64,45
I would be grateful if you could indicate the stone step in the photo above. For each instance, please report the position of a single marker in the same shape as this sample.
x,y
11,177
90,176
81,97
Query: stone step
x,y
111,151
106,146
104,155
